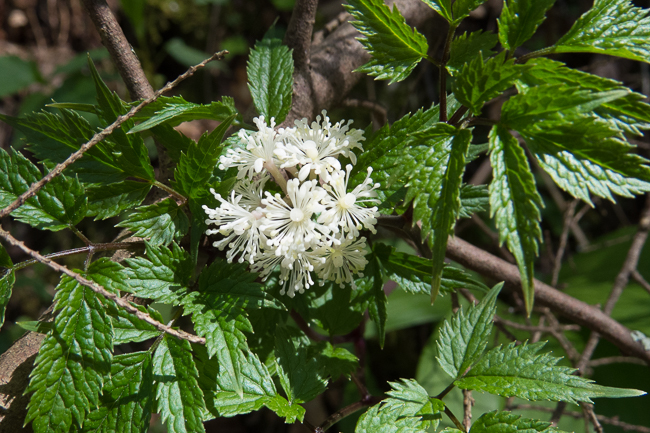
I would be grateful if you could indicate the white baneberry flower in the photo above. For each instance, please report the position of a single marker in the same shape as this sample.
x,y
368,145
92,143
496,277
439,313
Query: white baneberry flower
x,y
259,149
345,209
251,191
342,261
296,266
240,225
316,146
291,223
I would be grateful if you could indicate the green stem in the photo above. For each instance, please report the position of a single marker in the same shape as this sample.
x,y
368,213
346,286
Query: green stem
x,y
445,392
538,53
453,418
345,412
83,250
171,192
433,61
80,235
443,73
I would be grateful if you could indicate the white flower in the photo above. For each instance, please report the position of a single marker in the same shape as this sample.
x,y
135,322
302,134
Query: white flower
x,y
252,192
296,266
342,261
289,224
240,225
343,208
316,147
259,149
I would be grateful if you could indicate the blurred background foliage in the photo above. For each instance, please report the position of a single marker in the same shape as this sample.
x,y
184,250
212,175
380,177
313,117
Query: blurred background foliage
x,y
43,49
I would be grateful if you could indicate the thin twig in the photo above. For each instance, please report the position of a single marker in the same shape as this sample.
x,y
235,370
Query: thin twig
x,y
621,281
468,402
100,290
564,237
544,329
636,276
577,415
35,187
453,419
345,412
375,107
615,360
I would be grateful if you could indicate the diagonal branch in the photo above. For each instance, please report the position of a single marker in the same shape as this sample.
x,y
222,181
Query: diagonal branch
x,y
35,187
119,48
100,290
301,27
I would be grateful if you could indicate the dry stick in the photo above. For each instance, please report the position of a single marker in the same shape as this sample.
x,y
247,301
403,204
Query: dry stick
x,y
298,36
636,276
468,402
35,187
591,415
484,263
119,48
621,281
544,329
100,290
615,360
564,237
577,415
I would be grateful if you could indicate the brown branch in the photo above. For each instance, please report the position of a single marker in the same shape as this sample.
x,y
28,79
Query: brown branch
x,y
636,276
119,48
621,281
468,402
486,264
532,328
375,107
564,237
615,360
298,35
100,290
35,187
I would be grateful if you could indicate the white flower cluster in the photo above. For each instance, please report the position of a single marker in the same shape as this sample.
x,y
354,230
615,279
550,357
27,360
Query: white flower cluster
x,y
314,225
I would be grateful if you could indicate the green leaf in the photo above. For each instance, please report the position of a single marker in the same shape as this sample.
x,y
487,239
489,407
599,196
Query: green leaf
x,y
396,47
16,74
467,46
445,209
161,222
175,110
127,399
301,375
443,7
107,201
408,409
109,274
506,422
270,78
129,150
178,395
519,371
163,276
337,361
584,155
53,137
553,102
515,206
5,260
629,112
59,204
174,142
373,283
218,313
612,27
473,199
462,8
519,21
7,281
196,166
482,80
463,338
72,362
129,328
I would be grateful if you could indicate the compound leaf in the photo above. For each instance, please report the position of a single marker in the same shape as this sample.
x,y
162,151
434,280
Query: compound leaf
x,y
515,205
396,47
270,78
72,362
196,166
129,328
481,80
445,209
519,21
613,27
519,371
467,47
463,338
163,276
506,422
127,399
107,201
179,397
161,222
60,204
